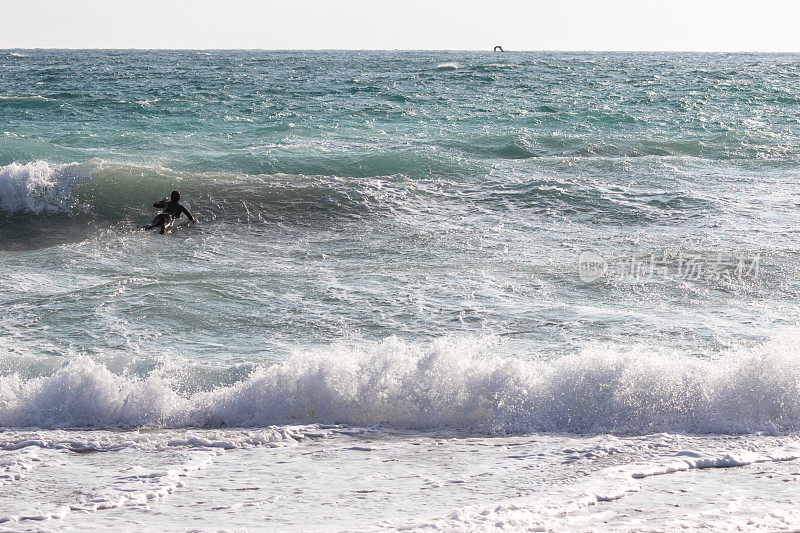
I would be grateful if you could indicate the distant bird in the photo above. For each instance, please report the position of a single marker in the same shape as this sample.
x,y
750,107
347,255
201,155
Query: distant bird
x,y
498,48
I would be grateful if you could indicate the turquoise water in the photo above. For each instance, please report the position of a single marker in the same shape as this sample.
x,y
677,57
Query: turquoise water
x,y
525,283
347,200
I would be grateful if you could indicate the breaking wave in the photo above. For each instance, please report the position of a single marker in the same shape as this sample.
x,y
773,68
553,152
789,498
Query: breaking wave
x,y
447,384
110,191
449,65
41,187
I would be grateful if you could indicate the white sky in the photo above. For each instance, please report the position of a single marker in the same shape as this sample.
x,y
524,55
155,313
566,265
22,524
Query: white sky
x,y
708,25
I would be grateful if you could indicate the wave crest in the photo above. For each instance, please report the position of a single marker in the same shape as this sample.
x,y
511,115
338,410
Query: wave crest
x,y
113,191
41,187
448,384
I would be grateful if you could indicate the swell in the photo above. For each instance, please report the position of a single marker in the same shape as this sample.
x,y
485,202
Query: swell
x,y
596,202
47,203
447,384
100,190
724,144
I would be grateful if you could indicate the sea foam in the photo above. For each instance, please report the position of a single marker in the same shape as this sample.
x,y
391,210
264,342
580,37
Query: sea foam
x,y
447,384
41,187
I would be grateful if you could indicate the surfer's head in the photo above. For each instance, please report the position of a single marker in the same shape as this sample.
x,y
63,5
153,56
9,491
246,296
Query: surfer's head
x,y
175,196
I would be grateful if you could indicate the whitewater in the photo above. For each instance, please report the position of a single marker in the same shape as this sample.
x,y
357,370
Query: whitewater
x,y
426,291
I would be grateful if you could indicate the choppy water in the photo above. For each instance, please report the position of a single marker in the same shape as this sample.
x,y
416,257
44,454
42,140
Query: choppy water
x,y
393,240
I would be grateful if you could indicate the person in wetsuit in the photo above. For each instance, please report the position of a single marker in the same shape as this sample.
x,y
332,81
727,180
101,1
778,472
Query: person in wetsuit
x,y
171,210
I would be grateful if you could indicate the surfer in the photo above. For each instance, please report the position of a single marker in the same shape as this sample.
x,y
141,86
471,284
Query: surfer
x,y
171,210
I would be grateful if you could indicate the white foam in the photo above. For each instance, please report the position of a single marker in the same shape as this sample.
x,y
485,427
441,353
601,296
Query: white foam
x,y
446,384
13,465
34,97
107,441
141,488
450,65
549,511
41,187
154,485
133,485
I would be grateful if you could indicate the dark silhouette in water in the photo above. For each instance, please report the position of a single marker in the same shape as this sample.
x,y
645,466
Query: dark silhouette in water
x,y
498,48
172,211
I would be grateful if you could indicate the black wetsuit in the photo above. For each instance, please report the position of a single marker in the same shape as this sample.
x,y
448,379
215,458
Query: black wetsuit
x,y
172,210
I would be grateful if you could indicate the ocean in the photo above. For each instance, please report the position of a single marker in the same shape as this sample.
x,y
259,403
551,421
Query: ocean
x,y
424,291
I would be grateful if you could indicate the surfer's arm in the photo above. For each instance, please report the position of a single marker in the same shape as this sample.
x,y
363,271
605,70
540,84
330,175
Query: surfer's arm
x,y
188,214
161,203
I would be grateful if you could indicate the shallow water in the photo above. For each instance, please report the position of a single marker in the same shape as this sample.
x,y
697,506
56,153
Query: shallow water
x,y
460,252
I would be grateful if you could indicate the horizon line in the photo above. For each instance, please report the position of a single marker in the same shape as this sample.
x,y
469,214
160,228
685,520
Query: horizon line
x,y
541,50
